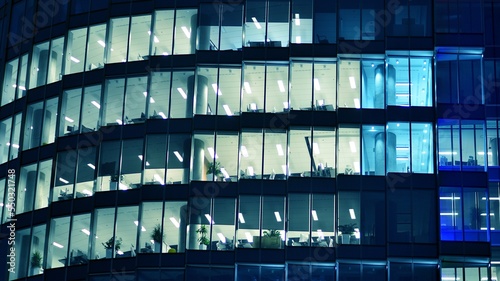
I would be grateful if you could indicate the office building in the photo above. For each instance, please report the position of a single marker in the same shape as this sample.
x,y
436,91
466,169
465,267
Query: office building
x,y
250,140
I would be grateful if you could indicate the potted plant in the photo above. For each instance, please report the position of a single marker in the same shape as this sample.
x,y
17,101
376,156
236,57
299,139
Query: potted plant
x,y
203,240
115,181
346,230
214,170
157,237
36,263
108,245
271,239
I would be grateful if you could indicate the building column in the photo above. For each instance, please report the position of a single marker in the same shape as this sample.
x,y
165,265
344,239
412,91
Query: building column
x,y
183,215
198,159
379,97
200,94
391,85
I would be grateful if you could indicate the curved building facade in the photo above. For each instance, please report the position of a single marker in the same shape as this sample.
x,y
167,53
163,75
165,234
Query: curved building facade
x,y
250,140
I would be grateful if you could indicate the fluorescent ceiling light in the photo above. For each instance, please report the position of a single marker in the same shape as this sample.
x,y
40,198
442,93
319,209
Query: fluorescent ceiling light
x,y
352,145
227,110
297,19
178,155
316,84
216,89
175,222
151,100
449,198
482,153
156,40
96,104
119,121
100,42
356,103
74,59
186,31
404,84
352,81
136,223
86,231
87,192
119,252
224,173
250,171
149,32
280,149
158,179
22,88
212,153
209,218
315,148
253,106
447,153
402,95
63,180
281,86
448,214
249,237
286,104
91,166
402,148
278,217
69,119
256,22
248,90
298,39
402,158
140,157
241,218
353,215
145,94
183,94
221,237
314,215
162,115
244,151
165,54
57,245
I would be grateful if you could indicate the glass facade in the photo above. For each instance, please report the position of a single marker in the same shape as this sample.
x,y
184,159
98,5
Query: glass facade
x,y
250,140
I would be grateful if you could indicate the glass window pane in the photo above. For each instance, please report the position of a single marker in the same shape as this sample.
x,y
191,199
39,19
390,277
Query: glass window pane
x,y
113,102
302,21
248,232
39,65
424,227
109,173
164,28
277,88
206,90
323,152
33,126
65,175
325,86
5,132
200,224
232,27
349,84
224,226
398,81
69,120
22,251
38,236
299,220
325,22
185,31
255,23
275,155
206,165
9,81
43,184
349,20
300,152
179,155
182,94
473,145
140,37
21,82
372,229
349,151
126,229
301,85
95,47
75,51
208,30
397,145
475,215
349,217
156,151
422,156
91,108
251,154
103,239
373,150
85,175
450,207
132,163
227,153
273,225
80,240
57,249
421,81
174,220
151,235
323,220
16,135
118,40
449,144
49,121
135,100
4,213
253,86
228,102
55,61
159,92
26,189
373,78
278,28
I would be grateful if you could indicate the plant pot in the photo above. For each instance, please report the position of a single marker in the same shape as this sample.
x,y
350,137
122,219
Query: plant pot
x,y
157,247
203,247
113,185
35,270
271,242
346,239
109,253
